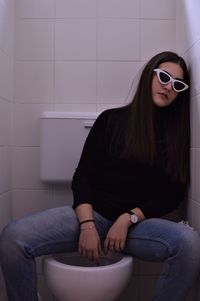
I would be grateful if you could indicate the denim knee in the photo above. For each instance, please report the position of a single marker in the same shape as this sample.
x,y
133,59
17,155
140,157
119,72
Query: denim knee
x,y
186,245
9,241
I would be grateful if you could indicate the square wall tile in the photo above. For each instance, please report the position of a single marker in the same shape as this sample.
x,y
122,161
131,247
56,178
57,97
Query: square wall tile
x,y
34,82
34,40
5,122
35,8
75,8
118,39
75,39
26,168
5,169
6,76
75,82
26,123
118,9
116,81
30,201
157,36
158,9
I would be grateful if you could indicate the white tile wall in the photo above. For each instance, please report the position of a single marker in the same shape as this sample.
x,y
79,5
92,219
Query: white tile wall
x,y
5,117
6,76
5,169
6,97
6,94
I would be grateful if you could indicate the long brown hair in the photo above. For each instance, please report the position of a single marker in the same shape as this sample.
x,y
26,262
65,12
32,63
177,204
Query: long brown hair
x,y
136,136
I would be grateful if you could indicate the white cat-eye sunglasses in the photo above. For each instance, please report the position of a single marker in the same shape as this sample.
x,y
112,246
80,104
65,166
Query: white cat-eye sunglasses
x,y
164,78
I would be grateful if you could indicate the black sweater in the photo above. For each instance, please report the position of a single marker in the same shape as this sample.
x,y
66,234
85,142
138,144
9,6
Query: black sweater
x,y
113,185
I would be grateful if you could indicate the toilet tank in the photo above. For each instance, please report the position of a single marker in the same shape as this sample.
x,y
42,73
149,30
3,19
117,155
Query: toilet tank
x,y
62,136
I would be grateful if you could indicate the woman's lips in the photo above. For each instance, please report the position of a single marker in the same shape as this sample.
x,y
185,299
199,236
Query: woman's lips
x,y
164,95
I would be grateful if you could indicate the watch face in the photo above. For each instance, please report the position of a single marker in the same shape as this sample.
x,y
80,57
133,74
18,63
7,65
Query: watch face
x,y
134,218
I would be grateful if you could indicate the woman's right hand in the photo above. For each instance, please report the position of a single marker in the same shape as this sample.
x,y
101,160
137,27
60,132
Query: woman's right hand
x,y
90,244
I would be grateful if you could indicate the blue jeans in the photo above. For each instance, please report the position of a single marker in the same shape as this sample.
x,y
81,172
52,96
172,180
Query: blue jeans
x,y
57,230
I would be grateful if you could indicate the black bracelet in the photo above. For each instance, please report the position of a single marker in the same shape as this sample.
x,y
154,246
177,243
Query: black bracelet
x,y
86,221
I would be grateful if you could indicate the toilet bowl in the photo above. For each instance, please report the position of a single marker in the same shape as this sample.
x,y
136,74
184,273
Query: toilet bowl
x,y
72,277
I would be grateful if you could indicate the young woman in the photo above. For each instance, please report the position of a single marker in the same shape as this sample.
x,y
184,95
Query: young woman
x,y
133,170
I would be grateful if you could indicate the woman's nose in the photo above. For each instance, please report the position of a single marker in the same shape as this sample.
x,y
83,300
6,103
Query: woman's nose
x,y
168,86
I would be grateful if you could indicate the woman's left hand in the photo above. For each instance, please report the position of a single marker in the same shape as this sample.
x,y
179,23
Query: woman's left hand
x,y
116,237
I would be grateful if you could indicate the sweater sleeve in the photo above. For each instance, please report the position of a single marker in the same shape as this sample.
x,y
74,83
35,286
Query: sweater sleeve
x,y
170,198
91,157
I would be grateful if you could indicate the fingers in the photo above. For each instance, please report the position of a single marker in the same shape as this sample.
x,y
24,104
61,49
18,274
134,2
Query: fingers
x,y
113,245
91,254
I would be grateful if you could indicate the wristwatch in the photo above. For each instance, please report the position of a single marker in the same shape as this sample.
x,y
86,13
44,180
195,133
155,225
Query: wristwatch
x,y
133,217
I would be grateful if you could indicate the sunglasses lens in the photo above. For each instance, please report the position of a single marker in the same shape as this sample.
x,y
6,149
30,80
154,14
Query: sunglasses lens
x,y
164,78
179,86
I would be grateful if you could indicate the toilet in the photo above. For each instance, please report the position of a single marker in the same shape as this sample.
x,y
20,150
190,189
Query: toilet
x,y
72,277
